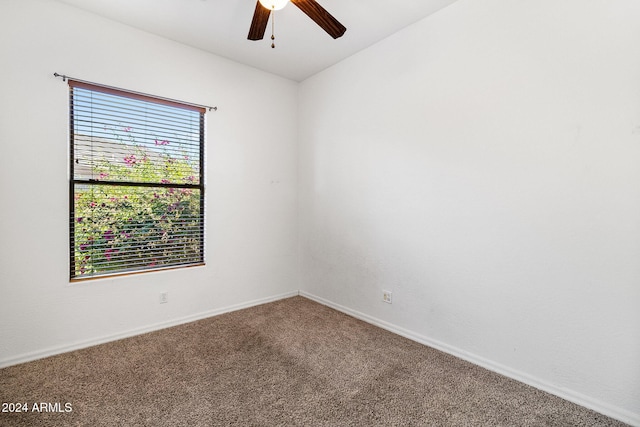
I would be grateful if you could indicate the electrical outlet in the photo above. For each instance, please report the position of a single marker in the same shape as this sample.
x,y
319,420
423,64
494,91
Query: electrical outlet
x,y
164,297
386,296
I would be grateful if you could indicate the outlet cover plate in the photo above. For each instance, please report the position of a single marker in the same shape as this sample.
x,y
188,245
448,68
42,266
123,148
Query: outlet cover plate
x,y
164,297
387,296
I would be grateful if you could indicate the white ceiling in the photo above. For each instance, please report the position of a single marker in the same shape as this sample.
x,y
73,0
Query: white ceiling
x,y
302,48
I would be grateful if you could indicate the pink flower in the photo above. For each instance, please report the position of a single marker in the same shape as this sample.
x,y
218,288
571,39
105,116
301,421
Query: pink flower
x,y
127,129
165,181
130,160
108,252
103,175
163,142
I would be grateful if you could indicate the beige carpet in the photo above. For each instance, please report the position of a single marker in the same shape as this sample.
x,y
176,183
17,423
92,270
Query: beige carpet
x,y
291,362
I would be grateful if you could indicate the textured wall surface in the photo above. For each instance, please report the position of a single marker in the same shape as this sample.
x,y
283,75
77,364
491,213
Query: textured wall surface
x,y
251,233
482,165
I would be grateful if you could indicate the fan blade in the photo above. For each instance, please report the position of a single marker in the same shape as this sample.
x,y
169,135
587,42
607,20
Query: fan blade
x,y
259,22
321,17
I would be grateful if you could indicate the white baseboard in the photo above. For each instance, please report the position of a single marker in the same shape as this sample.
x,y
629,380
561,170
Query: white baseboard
x,y
52,351
570,395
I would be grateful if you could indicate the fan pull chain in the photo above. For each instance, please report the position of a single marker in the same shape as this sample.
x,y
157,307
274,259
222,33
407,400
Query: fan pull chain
x,y
273,25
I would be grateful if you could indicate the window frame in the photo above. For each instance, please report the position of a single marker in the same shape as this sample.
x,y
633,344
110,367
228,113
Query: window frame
x,y
74,276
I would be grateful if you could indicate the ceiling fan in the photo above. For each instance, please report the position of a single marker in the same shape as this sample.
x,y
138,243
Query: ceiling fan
x,y
310,7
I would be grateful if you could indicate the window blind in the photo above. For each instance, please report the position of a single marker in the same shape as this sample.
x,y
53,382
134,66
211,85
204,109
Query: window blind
x,y
137,182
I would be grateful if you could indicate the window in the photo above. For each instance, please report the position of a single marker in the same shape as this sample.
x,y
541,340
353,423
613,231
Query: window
x,y
136,182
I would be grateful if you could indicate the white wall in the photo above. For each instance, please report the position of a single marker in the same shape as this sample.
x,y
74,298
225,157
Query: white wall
x,y
483,165
251,228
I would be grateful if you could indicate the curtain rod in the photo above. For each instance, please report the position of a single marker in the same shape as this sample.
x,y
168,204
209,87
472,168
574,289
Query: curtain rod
x,y
65,78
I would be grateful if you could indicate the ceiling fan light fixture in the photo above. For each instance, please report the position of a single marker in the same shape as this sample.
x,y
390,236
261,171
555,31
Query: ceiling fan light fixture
x,y
311,8
273,4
